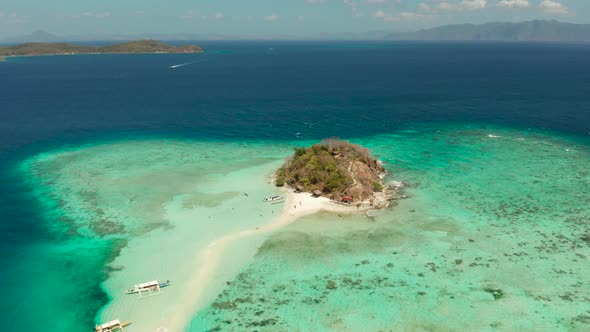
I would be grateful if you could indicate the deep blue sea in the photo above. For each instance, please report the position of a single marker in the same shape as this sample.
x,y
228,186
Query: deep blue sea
x,y
258,90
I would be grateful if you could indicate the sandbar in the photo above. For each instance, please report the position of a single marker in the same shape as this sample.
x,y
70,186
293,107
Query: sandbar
x,y
297,205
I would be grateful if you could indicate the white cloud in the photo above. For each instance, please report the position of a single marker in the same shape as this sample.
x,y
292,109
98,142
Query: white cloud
x,y
375,1
514,4
13,18
98,15
424,6
219,16
446,6
463,5
353,4
473,4
188,16
272,17
411,16
402,16
553,7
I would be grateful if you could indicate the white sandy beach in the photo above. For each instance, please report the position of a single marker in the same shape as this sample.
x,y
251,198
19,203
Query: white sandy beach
x,y
216,232
215,207
297,205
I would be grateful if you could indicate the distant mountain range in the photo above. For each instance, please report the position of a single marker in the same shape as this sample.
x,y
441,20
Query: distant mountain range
x,y
542,31
549,31
38,36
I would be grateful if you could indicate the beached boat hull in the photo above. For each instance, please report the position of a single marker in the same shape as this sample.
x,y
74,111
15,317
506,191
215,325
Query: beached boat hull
x,y
137,290
274,199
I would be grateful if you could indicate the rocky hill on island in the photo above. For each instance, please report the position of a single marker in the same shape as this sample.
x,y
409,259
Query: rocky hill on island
x,y
336,169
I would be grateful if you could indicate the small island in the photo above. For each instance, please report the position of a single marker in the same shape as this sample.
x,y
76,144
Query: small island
x,y
131,47
340,171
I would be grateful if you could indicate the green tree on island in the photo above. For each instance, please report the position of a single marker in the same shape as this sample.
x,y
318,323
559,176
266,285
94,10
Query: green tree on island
x,y
333,168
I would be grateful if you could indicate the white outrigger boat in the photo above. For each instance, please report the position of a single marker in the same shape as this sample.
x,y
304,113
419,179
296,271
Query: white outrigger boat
x,y
271,199
151,288
111,326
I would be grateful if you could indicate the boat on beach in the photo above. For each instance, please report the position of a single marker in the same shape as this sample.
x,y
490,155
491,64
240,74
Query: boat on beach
x,y
151,288
273,199
111,326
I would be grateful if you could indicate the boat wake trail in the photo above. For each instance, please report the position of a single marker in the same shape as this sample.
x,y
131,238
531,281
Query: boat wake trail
x,y
180,65
185,64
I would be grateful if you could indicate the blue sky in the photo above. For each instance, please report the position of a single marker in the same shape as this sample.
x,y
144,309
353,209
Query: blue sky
x,y
270,17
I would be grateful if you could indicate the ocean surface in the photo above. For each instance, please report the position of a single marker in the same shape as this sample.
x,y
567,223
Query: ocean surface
x,y
115,167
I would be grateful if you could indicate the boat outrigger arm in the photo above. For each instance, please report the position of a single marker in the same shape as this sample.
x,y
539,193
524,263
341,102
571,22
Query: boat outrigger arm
x,y
148,288
112,326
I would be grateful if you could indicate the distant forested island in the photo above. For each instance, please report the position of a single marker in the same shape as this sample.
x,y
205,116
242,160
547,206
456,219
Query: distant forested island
x,y
131,47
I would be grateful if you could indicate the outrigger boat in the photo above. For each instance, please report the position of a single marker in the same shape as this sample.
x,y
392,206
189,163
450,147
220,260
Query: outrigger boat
x,y
273,199
151,288
111,326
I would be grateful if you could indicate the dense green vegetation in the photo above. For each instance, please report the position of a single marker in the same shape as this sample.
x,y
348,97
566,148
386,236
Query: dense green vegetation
x,y
315,168
377,186
139,46
332,167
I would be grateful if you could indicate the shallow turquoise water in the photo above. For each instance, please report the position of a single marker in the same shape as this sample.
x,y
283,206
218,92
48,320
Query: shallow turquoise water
x,y
493,236
493,233
56,254
161,201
